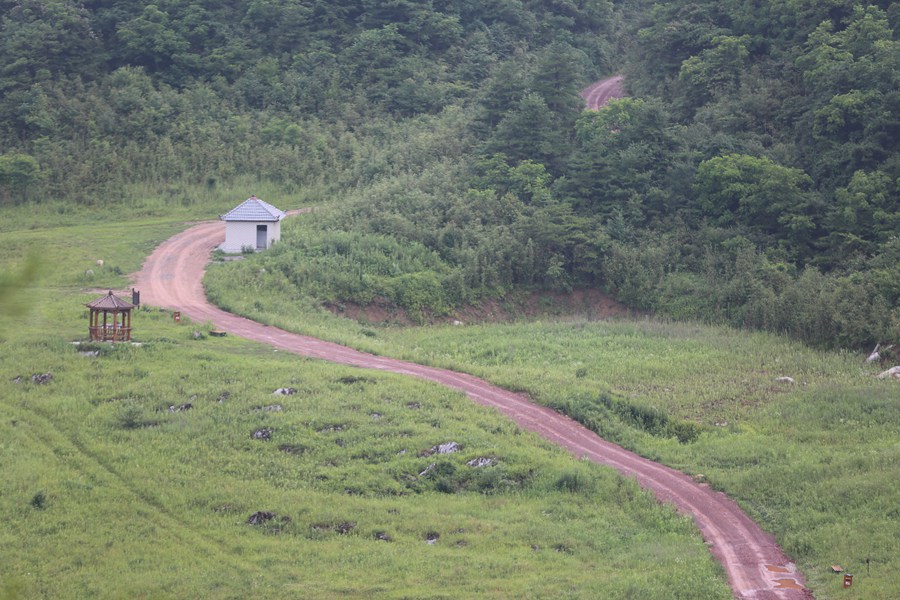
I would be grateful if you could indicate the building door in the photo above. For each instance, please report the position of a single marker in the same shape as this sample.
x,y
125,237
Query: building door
x,y
261,231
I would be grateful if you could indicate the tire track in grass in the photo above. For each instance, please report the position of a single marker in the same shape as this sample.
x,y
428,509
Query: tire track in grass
x,y
76,456
756,567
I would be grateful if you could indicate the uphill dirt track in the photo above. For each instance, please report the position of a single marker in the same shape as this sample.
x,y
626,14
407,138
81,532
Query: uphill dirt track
x,y
599,93
757,568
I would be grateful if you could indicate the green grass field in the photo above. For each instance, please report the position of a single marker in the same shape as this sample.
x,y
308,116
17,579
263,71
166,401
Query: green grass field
x,y
816,462
109,493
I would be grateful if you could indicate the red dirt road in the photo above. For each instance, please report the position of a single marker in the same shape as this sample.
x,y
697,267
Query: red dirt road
x,y
599,93
757,568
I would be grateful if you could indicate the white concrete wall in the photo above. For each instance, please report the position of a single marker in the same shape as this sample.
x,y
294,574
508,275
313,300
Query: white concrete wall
x,y
274,233
239,234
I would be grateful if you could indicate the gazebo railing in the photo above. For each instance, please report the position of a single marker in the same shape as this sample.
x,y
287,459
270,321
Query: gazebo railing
x,y
109,333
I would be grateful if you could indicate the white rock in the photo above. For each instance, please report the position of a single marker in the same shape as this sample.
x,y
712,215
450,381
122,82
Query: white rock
x,y
892,372
785,380
446,448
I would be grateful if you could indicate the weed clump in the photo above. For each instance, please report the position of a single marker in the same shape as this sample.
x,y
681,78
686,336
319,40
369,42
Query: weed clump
x,y
132,416
39,501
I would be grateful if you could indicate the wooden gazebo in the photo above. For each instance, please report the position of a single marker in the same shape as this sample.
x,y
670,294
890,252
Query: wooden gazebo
x,y
110,319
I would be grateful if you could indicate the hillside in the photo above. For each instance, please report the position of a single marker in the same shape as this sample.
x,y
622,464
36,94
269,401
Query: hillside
x,y
751,180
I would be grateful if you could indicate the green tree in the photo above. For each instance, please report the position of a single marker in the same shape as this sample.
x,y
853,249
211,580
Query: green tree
x,y
18,172
759,195
715,70
865,215
150,40
530,132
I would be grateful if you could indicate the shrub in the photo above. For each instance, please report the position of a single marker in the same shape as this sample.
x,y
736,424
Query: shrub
x,y
39,500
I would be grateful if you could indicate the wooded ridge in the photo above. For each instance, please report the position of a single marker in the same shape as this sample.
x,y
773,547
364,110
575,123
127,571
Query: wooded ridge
x,y
751,178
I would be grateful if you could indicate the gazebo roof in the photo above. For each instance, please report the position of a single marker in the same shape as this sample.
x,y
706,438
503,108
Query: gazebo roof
x,y
110,302
253,209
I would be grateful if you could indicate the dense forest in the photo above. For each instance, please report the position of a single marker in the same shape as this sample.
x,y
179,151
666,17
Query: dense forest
x,y
750,178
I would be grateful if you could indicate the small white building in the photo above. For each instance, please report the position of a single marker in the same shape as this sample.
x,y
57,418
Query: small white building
x,y
253,224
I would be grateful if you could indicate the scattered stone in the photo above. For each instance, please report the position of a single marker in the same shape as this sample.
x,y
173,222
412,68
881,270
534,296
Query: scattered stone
x,y
264,434
382,536
89,353
89,273
457,323
269,408
880,353
344,527
721,423
788,380
428,470
196,335
16,379
223,397
562,548
292,449
260,517
42,378
351,379
413,405
181,407
432,537
481,461
266,518
402,452
461,543
100,262
332,428
445,448
288,391
535,548
376,416
893,372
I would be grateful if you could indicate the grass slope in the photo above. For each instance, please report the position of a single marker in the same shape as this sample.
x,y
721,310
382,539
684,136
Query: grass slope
x,y
108,493
816,462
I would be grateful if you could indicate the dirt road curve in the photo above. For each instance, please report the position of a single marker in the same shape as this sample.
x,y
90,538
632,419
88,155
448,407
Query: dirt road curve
x,y
598,94
757,568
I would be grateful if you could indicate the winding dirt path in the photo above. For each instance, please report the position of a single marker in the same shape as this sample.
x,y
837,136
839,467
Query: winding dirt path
x,y
599,93
757,568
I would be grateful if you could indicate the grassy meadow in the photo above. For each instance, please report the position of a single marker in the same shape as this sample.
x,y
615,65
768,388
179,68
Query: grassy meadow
x,y
816,462
114,488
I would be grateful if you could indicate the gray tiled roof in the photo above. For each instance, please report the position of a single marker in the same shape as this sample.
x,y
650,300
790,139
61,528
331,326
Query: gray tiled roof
x,y
253,209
